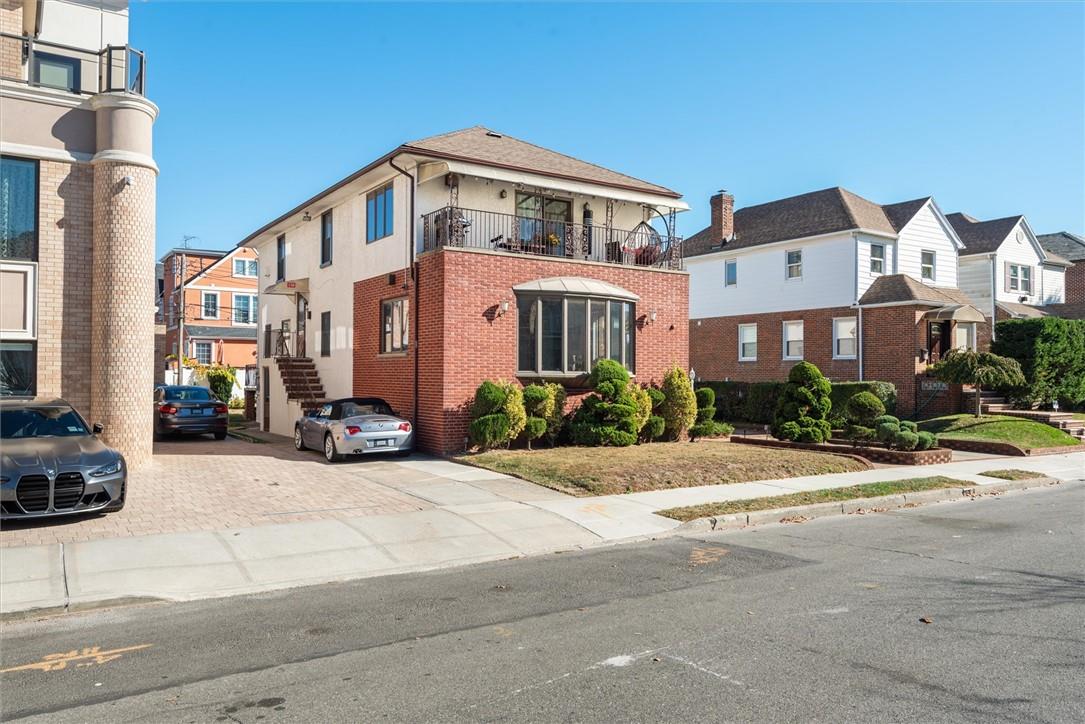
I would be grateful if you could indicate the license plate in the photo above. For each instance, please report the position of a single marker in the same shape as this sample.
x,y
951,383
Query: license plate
x,y
209,411
183,412
382,443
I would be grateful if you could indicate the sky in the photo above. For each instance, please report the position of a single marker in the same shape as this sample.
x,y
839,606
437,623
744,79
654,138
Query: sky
x,y
981,105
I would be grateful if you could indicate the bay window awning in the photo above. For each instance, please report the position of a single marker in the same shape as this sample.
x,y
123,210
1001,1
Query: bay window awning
x,y
955,313
577,286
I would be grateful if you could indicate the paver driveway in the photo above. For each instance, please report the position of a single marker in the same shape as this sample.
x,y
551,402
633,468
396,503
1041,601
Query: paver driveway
x,y
205,484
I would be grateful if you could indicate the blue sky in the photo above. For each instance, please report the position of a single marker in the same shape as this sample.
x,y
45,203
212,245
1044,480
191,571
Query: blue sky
x,y
980,104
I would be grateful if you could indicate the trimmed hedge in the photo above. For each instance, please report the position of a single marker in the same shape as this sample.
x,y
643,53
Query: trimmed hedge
x,y
756,401
1051,352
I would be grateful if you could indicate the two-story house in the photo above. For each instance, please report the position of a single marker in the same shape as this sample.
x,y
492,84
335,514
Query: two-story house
x,y
1070,247
1005,269
219,308
862,290
463,257
77,214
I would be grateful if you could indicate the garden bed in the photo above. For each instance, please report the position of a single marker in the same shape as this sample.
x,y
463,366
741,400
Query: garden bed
x,y
657,466
935,456
994,447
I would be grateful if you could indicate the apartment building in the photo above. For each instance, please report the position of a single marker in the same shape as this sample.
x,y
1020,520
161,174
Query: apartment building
x,y
462,257
77,214
219,307
862,290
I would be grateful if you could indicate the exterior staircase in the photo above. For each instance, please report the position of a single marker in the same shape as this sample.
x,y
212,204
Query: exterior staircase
x,y
994,404
302,381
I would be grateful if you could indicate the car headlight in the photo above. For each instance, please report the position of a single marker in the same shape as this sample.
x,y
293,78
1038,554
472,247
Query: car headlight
x,y
112,469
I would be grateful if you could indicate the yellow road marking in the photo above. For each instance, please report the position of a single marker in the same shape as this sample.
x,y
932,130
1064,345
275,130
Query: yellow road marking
x,y
88,656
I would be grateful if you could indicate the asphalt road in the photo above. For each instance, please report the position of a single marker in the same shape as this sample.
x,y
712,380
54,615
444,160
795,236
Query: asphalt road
x,y
968,611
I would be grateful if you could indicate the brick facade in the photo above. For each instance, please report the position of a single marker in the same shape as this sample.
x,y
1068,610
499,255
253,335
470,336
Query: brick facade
x,y
462,339
11,49
1075,283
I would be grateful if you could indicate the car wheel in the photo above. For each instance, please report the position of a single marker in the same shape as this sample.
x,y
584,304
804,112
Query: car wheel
x,y
220,435
329,450
299,444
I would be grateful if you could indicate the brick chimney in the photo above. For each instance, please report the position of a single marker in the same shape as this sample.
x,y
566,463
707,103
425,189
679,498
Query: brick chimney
x,y
723,215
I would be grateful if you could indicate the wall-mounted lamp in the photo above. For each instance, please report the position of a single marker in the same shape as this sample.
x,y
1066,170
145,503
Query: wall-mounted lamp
x,y
503,194
306,217
652,317
503,308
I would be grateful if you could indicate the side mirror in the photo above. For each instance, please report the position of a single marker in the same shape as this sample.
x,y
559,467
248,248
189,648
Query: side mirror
x,y
97,428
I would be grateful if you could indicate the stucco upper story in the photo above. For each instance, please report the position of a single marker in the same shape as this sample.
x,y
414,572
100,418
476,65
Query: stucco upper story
x,y
818,250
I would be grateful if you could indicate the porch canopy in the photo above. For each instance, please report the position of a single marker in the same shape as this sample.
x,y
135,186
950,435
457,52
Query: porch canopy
x,y
576,285
955,313
289,286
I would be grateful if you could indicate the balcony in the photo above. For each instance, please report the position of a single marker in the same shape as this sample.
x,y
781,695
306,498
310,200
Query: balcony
x,y
115,68
473,229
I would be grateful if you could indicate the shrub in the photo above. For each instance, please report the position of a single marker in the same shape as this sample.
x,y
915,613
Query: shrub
x,y
804,402
607,370
609,416
863,408
906,440
706,408
756,402
710,428
885,418
643,404
858,434
514,409
653,429
927,440
236,403
1051,354
539,406
221,381
488,398
497,413
886,392
534,429
490,430
657,397
909,426
887,432
556,421
679,408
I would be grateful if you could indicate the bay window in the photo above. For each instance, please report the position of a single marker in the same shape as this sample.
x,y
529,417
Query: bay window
x,y
567,335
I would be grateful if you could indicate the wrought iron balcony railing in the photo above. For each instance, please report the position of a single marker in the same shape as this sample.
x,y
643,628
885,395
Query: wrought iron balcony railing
x,y
474,229
115,68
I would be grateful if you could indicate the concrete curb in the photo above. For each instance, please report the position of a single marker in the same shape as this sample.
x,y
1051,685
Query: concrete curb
x,y
861,506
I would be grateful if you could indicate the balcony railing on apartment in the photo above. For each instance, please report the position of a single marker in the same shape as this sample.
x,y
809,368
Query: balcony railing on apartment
x,y
474,229
115,68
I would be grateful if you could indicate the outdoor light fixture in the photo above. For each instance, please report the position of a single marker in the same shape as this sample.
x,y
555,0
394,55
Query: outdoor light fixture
x,y
306,217
503,194
503,308
652,316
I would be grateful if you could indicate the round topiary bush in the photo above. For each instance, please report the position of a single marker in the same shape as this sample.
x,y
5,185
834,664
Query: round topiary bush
x,y
489,431
653,429
607,370
863,408
611,415
489,397
539,406
805,402
906,440
883,419
927,441
909,426
858,434
887,432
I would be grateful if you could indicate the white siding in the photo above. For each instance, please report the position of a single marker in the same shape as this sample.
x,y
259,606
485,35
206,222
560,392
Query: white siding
x,y
866,277
975,280
1053,285
1021,252
828,279
926,233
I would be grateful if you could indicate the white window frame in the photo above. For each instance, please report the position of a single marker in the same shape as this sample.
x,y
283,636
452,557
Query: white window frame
x,y
881,261
836,354
727,264
30,330
245,272
210,347
784,338
1018,282
788,265
741,357
254,309
203,305
933,265
973,331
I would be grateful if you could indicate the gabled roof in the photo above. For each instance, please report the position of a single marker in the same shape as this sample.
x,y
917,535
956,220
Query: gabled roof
x,y
491,148
812,214
1064,244
981,237
900,288
901,213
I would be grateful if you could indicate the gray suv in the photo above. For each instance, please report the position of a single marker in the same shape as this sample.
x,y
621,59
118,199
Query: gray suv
x,y
52,463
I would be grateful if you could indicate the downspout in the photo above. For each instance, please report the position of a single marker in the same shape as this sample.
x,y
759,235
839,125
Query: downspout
x,y
994,293
412,270
859,321
860,333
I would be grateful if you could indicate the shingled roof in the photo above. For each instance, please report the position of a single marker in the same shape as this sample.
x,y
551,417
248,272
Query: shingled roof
x,y
981,237
895,288
491,148
812,214
1064,244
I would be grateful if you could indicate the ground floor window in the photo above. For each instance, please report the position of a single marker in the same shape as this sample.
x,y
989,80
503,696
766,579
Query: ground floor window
x,y
325,334
793,334
568,335
965,336
395,325
201,352
747,343
18,368
845,338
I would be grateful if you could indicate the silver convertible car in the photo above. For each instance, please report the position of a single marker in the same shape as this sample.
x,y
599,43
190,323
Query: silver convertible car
x,y
354,426
52,463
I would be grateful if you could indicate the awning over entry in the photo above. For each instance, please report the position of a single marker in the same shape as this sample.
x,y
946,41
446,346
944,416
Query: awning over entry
x,y
290,286
576,285
956,313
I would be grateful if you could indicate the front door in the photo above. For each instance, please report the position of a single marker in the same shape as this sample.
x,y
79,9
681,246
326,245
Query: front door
x,y
303,313
937,340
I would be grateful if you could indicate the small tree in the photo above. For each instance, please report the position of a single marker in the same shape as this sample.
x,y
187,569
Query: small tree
x,y
802,411
221,381
679,408
980,369
556,421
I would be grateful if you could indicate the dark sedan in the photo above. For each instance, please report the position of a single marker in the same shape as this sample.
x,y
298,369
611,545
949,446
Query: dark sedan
x,y
189,409
52,463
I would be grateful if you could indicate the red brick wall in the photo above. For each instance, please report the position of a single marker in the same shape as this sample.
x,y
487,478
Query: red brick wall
x,y
713,348
463,341
1075,283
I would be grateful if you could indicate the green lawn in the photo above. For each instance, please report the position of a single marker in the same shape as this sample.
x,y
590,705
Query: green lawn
x,y
657,466
1018,431
828,495
1012,474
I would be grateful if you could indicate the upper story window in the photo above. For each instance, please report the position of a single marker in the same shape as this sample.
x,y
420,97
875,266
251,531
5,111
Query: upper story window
x,y
56,71
730,273
280,258
209,307
845,338
379,216
926,265
877,258
1019,278
245,268
395,325
568,335
793,334
326,238
747,343
245,308
794,264
18,208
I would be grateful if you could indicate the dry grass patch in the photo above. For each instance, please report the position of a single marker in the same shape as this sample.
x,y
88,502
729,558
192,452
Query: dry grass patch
x,y
657,466
828,495
1012,474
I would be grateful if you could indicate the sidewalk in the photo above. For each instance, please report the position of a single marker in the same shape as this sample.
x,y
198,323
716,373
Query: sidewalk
x,y
477,516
